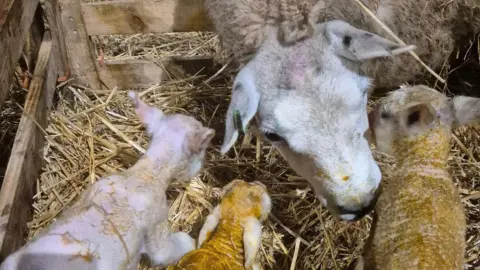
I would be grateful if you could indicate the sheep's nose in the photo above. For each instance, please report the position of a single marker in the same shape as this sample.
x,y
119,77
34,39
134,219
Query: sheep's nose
x,y
356,214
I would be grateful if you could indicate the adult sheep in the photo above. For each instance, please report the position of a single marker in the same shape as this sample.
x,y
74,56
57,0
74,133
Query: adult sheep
x,y
309,97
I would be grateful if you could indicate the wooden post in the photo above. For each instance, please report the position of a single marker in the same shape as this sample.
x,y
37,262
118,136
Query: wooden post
x,y
16,17
52,13
78,45
25,161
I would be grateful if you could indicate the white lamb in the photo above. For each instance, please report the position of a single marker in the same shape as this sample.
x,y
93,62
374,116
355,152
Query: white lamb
x,y
125,215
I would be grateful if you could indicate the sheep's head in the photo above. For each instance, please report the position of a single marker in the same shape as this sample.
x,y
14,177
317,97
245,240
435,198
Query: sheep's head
x,y
243,200
415,112
309,103
179,139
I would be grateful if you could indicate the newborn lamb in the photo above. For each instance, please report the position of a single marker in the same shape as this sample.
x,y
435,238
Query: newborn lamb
x,y
125,215
419,221
230,237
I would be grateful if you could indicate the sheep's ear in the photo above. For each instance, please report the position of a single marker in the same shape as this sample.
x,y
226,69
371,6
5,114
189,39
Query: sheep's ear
x,y
464,110
201,139
420,115
360,45
243,107
209,226
148,115
252,235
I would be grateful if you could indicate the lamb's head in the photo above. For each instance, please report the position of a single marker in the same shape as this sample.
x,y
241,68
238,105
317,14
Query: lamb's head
x,y
178,141
244,200
419,114
310,103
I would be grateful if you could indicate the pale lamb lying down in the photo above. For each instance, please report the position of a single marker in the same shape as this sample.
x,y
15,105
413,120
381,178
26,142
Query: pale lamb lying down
x,y
230,237
419,222
125,215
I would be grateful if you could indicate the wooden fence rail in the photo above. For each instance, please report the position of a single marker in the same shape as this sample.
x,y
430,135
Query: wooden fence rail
x,y
21,22
82,20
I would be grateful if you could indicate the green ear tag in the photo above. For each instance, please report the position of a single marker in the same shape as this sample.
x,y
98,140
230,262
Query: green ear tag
x,y
237,121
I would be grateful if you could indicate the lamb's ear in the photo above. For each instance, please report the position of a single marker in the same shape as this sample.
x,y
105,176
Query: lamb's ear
x,y
360,45
209,226
201,139
243,107
252,235
420,115
148,115
464,110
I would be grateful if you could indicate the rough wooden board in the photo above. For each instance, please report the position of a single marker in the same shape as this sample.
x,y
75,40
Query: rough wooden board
x,y
78,44
26,157
52,14
126,74
130,73
16,17
59,52
147,16
33,41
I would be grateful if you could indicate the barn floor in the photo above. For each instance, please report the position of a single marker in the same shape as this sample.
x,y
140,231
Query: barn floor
x,y
93,133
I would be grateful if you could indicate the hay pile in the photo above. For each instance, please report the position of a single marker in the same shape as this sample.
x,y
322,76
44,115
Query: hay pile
x,y
93,133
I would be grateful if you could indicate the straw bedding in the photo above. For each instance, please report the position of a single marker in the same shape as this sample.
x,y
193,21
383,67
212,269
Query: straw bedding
x,y
93,133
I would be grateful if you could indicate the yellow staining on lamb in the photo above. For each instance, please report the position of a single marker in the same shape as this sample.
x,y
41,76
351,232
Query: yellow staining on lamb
x,y
68,239
227,245
87,257
419,221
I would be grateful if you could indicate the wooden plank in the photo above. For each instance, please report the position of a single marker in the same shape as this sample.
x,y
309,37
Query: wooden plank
x,y
54,23
31,47
16,16
26,159
147,16
127,74
78,45
130,73
59,51
33,41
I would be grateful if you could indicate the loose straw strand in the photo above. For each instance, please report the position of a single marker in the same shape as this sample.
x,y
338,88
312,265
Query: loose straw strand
x,y
400,41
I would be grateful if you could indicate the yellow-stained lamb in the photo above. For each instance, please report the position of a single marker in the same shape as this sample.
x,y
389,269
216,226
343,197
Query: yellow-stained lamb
x,y
230,237
419,221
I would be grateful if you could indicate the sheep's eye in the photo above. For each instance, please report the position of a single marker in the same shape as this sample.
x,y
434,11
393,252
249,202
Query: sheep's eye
x,y
385,115
272,137
413,118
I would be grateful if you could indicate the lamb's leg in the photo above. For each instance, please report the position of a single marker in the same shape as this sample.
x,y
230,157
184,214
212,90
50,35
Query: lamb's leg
x,y
360,264
251,240
256,266
165,248
210,224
